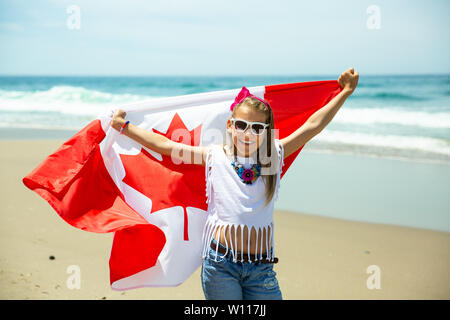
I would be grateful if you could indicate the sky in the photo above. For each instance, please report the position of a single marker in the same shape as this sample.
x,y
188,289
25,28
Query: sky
x,y
227,37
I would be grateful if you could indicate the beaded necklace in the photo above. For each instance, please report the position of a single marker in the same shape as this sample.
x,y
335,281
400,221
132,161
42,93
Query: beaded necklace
x,y
247,175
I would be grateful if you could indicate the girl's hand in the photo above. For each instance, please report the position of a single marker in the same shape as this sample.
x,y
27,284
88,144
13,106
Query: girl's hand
x,y
348,80
118,119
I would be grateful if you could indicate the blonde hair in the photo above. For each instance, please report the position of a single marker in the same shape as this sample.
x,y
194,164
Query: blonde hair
x,y
268,150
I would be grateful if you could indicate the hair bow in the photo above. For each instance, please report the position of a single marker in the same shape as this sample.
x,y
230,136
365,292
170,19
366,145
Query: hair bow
x,y
244,93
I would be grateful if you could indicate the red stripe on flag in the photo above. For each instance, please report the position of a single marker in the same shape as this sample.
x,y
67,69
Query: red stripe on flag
x,y
135,249
294,103
75,182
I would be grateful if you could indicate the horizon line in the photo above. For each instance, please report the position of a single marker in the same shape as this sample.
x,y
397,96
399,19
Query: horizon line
x,y
217,75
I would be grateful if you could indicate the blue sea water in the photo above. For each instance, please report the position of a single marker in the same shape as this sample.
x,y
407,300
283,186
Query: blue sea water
x,y
396,117
387,116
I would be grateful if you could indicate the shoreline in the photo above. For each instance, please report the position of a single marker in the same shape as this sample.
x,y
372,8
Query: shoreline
x,y
51,145
344,220
314,146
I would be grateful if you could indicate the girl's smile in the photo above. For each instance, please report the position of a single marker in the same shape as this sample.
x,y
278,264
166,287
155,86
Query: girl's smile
x,y
246,142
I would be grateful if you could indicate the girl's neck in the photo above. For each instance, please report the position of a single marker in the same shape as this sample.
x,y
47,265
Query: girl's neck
x,y
245,160
241,158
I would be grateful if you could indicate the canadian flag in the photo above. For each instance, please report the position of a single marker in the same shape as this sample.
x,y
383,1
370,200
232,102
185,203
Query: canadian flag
x,y
101,181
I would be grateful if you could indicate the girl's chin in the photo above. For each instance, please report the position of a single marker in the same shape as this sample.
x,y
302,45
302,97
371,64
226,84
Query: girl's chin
x,y
247,149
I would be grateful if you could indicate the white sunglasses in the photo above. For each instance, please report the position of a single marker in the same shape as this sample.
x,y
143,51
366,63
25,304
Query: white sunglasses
x,y
257,128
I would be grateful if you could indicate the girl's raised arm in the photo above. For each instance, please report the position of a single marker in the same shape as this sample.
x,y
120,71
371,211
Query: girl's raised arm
x,y
179,151
348,80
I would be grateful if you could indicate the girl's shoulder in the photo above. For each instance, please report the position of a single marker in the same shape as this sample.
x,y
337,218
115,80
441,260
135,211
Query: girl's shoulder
x,y
213,154
279,146
280,150
214,148
278,142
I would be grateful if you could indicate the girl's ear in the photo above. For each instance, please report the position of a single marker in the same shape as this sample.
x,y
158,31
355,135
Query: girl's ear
x,y
229,125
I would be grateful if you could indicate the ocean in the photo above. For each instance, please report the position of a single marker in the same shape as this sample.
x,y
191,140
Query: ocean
x,y
393,118
387,116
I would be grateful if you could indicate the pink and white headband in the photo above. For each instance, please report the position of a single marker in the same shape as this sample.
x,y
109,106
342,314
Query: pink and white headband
x,y
244,93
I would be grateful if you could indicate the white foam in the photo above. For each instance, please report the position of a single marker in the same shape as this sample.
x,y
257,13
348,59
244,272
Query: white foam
x,y
368,116
65,100
39,126
391,141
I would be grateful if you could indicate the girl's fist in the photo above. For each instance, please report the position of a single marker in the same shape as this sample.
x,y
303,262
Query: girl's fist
x,y
118,119
348,80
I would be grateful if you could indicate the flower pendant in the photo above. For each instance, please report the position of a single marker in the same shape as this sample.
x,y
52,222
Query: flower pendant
x,y
248,175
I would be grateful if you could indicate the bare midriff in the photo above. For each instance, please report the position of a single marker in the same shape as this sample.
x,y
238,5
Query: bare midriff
x,y
227,236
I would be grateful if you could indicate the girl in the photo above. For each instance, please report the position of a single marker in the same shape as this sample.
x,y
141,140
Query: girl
x,y
242,182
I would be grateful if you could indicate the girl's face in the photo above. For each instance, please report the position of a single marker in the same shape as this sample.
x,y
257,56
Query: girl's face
x,y
245,142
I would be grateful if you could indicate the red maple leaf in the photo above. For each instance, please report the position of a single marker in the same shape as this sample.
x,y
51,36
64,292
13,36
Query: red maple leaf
x,y
168,184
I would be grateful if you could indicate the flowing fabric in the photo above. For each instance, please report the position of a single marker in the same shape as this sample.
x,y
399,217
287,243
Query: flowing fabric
x,y
101,181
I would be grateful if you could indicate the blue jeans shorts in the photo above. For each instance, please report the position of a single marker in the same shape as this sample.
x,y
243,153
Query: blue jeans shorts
x,y
227,280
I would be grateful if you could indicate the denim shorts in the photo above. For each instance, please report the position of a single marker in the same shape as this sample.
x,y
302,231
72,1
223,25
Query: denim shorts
x,y
227,280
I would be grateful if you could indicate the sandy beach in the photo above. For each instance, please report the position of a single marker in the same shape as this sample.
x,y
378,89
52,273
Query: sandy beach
x,y
320,258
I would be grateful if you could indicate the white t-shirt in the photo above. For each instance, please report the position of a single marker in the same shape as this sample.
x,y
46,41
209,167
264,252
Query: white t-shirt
x,y
231,202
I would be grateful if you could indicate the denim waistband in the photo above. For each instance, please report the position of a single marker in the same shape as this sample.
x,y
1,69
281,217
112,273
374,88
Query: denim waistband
x,y
215,242
229,256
